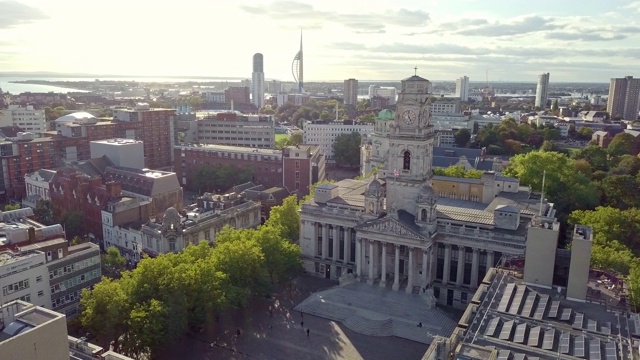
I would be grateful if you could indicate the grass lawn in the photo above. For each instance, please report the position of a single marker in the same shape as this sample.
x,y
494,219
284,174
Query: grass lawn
x,y
281,136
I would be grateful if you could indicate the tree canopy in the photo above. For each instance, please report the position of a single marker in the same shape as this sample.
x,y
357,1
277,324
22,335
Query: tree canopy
x,y
346,149
163,297
458,171
220,178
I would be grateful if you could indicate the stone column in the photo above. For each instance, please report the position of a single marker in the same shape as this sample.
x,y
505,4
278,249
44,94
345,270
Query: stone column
x,y
396,271
314,243
371,259
447,264
336,242
433,263
358,256
409,288
383,275
325,241
489,259
347,245
460,275
424,267
475,266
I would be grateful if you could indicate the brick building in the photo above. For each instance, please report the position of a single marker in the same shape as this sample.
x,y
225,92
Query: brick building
x,y
237,94
266,163
302,166
20,155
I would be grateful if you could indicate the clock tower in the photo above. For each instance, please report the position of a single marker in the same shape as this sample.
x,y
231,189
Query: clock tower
x,y
411,139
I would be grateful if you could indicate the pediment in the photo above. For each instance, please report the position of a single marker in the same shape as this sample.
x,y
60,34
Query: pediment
x,y
390,226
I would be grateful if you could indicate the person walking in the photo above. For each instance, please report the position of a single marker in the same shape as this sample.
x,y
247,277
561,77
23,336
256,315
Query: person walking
x,y
308,332
302,324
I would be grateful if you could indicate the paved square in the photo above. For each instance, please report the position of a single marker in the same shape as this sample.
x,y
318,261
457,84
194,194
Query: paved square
x,y
271,329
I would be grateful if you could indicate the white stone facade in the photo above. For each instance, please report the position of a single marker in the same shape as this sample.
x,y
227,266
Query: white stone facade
x,y
397,232
324,135
27,118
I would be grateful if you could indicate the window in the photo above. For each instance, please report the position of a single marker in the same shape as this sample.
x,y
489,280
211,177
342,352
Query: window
x,y
59,253
11,288
40,293
207,235
39,278
406,165
172,245
297,164
297,174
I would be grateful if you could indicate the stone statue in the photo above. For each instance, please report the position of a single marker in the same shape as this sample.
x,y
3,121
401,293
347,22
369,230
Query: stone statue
x,y
428,297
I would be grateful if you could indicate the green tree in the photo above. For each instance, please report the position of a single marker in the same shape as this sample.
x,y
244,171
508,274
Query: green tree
x,y
620,191
627,164
611,224
623,144
564,185
10,207
281,257
295,139
73,223
44,212
113,262
585,133
462,137
147,328
458,171
105,309
583,167
346,149
595,155
286,218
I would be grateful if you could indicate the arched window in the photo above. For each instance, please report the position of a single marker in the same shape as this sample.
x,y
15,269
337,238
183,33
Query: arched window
x,y
423,215
406,165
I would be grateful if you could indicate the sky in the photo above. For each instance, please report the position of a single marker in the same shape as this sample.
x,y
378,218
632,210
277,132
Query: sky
x,y
514,40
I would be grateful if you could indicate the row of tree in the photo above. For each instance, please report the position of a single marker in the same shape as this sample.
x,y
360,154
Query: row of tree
x,y
166,296
220,177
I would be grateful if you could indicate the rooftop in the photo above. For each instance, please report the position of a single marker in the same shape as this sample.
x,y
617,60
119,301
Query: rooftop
x,y
523,322
117,142
228,148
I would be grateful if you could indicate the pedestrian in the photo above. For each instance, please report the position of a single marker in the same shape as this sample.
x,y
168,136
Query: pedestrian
x,y
238,332
307,332
302,324
301,314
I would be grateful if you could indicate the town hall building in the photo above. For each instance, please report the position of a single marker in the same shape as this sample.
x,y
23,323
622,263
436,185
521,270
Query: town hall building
x,y
409,230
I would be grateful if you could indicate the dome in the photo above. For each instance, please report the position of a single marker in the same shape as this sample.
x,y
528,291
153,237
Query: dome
x,y
426,193
374,186
76,117
171,213
386,114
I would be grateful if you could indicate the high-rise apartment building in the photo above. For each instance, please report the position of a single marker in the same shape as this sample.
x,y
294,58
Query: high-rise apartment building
x,y
623,98
462,88
350,92
257,81
25,117
542,90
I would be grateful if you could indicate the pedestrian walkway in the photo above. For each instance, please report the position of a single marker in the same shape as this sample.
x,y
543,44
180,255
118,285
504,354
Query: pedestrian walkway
x,y
376,311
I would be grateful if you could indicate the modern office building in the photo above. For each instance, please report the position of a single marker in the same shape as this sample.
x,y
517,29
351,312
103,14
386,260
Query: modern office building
x,y
324,134
350,92
409,229
25,117
297,69
542,91
462,88
386,92
624,94
121,152
30,332
440,107
302,166
274,86
257,81
235,129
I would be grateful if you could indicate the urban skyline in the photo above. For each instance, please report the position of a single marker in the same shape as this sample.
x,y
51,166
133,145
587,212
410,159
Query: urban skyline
x,y
342,41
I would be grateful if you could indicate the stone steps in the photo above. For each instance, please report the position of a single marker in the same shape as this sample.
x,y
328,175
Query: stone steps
x,y
373,327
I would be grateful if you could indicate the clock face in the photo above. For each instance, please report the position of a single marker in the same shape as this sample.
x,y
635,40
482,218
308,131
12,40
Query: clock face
x,y
409,117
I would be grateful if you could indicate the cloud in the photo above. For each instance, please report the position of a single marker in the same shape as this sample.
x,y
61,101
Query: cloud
x,y
13,13
574,36
634,5
362,23
519,26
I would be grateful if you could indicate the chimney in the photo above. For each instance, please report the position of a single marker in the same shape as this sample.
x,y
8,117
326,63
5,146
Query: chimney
x,y
32,234
114,189
580,260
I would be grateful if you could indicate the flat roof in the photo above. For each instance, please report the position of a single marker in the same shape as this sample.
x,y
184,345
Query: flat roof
x,y
229,148
117,142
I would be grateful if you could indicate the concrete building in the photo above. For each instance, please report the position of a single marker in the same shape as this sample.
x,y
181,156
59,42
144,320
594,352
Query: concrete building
x,y
324,134
31,332
234,129
25,117
274,86
293,99
210,96
410,229
121,152
542,91
302,166
201,222
386,92
257,81
440,107
624,94
350,92
462,88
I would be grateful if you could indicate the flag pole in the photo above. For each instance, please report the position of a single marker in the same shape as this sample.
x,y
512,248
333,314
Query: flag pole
x,y
544,176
